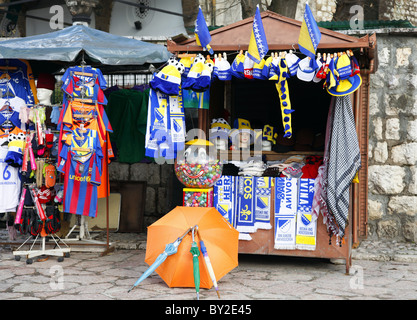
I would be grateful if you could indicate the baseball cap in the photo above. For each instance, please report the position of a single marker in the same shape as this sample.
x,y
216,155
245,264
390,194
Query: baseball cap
x,y
305,72
292,63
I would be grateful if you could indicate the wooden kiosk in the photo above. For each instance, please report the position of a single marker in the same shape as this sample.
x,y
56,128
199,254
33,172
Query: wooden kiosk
x,y
282,35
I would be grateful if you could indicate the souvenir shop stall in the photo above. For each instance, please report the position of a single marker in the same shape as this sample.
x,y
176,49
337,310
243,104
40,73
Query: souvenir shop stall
x,y
55,157
278,127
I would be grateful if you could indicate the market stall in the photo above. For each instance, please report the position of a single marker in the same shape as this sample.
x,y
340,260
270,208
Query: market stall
x,y
80,123
257,100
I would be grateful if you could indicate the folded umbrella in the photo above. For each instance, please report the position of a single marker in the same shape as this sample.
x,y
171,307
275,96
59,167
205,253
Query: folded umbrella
x,y
196,265
208,264
170,249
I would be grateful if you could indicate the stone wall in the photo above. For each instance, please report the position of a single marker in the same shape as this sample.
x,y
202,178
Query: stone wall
x,y
158,188
392,205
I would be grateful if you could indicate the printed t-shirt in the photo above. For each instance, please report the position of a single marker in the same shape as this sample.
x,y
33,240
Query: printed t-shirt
x,y
10,180
90,85
82,171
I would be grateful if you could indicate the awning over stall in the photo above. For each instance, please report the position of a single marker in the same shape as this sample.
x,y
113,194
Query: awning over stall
x,y
100,48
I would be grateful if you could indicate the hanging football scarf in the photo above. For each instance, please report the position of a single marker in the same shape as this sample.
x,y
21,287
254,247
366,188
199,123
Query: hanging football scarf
x,y
176,124
306,227
245,204
223,200
285,212
165,132
263,202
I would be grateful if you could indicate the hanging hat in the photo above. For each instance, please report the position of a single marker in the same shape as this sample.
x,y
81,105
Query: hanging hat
x,y
240,126
354,65
320,67
274,68
46,81
343,67
292,63
269,133
332,76
248,64
186,62
219,129
267,66
305,72
168,80
14,156
223,69
257,70
237,69
347,86
199,77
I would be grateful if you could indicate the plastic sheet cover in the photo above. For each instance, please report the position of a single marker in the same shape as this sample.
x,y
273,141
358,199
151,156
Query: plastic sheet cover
x,y
66,44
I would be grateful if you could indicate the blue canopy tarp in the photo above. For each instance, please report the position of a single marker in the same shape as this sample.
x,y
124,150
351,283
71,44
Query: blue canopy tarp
x,y
66,44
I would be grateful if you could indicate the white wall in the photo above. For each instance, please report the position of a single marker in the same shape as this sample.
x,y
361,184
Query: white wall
x,y
154,23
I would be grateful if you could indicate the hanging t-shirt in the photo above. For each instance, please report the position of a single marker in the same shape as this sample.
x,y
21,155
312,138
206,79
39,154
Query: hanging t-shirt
x,y
85,82
21,74
82,171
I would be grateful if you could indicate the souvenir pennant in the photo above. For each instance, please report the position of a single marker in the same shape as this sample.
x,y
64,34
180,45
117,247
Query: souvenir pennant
x,y
223,198
263,202
286,192
306,227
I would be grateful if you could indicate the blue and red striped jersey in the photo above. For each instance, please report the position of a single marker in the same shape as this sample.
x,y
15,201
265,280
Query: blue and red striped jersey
x,y
81,163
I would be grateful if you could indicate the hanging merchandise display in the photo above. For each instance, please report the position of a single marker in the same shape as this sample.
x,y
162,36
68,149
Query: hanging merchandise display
x,y
27,183
84,132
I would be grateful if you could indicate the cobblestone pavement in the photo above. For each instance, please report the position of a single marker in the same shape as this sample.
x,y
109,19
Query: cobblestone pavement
x,y
381,270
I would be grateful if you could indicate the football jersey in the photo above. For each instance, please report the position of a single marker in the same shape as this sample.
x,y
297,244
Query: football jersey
x,y
22,77
82,171
10,180
88,86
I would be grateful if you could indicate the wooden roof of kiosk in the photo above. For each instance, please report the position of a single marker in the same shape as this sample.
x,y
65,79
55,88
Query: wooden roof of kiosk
x,y
282,34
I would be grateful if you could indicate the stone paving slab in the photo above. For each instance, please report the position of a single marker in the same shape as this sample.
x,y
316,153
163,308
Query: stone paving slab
x,y
380,271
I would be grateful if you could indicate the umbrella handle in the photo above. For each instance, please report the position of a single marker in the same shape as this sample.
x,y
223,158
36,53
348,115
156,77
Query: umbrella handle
x,y
193,231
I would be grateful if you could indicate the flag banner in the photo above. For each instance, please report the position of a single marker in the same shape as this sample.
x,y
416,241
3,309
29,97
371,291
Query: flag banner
x,y
201,32
196,100
223,200
309,37
285,210
258,46
245,204
263,202
306,227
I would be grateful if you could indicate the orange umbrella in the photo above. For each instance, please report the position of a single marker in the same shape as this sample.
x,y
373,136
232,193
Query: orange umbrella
x,y
220,238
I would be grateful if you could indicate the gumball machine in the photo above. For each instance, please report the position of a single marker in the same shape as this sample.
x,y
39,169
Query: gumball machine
x,y
198,169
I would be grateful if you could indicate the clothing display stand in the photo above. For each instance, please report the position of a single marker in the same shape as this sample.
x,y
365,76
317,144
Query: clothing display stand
x,y
85,239
59,252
